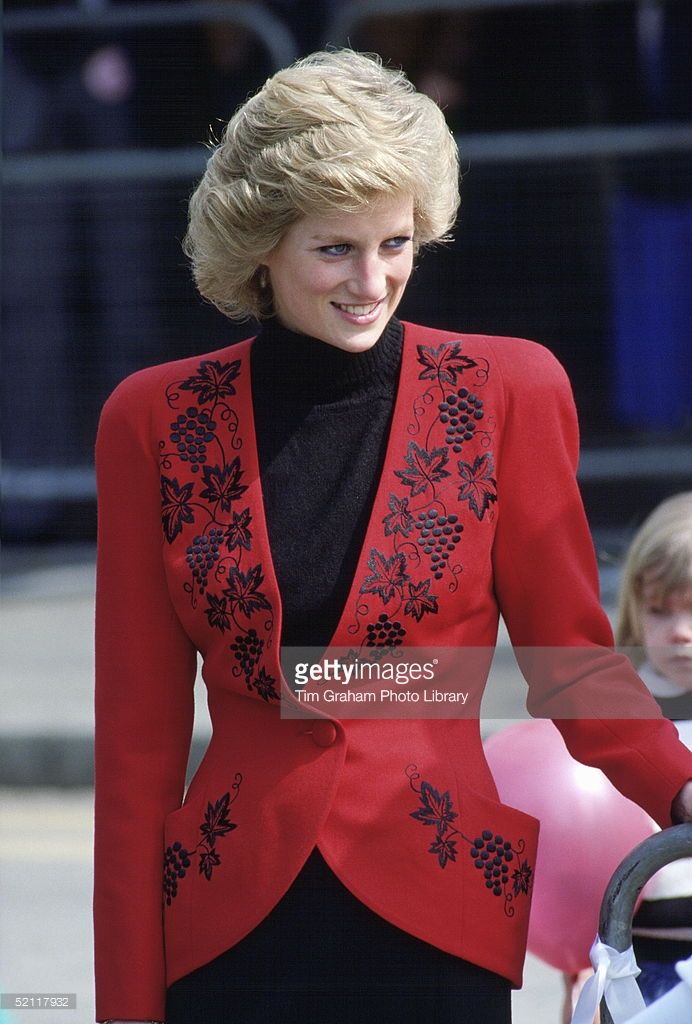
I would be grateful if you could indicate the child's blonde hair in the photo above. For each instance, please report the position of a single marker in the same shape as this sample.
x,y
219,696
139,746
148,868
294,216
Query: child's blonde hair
x,y
660,554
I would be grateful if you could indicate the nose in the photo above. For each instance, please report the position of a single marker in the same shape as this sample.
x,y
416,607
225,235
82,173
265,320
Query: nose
x,y
681,628
369,279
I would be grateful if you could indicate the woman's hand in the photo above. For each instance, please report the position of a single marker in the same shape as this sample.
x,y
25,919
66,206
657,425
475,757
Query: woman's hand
x,y
681,808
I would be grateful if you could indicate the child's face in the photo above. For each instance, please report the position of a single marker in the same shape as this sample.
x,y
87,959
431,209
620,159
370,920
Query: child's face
x,y
667,629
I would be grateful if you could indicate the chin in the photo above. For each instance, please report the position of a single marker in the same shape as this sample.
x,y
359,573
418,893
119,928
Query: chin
x,y
680,674
357,341
364,342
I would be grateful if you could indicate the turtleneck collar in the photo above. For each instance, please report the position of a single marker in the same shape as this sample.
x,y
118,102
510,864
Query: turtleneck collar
x,y
308,369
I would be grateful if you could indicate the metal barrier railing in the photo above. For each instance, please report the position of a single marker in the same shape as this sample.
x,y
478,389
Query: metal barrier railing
x,y
270,30
487,148
628,880
349,15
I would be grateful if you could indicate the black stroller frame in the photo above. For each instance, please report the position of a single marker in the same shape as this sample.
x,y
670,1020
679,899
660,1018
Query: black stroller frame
x,y
628,880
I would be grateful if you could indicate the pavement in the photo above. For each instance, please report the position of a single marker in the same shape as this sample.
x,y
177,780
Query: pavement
x,y
46,798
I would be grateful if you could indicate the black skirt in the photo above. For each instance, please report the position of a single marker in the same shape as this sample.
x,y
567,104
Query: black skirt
x,y
323,957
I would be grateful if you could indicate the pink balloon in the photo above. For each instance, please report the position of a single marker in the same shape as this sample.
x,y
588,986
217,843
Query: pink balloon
x,y
587,827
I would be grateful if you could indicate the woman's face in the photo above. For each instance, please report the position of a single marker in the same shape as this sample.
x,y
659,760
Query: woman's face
x,y
339,277
667,630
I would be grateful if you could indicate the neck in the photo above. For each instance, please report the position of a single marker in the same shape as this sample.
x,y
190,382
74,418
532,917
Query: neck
x,y
660,685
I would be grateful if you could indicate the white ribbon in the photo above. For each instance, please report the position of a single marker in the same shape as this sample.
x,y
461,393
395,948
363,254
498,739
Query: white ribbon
x,y
613,977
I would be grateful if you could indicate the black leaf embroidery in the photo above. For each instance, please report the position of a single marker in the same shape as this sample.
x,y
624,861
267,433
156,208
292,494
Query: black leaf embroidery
x,y
425,468
265,686
477,484
436,809
243,590
388,575
443,363
238,532
216,822
399,519
223,484
420,600
217,612
175,507
213,380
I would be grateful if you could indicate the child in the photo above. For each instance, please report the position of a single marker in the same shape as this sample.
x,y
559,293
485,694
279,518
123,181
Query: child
x,y
655,615
655,629
655,624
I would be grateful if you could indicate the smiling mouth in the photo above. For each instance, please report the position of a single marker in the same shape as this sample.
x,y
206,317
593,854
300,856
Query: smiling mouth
x,y
358,310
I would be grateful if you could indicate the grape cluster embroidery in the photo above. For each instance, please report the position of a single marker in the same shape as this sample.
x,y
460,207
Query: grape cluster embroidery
x,y
203,554
438,538
505,872
191,432
217,823
247,648
460,412
384,632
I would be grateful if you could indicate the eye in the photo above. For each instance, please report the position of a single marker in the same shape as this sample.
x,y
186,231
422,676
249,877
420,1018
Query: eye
x,y
340,249
655,609
397,243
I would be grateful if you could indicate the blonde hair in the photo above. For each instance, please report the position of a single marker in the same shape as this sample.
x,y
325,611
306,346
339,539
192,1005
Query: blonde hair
x,y
332,132
660,555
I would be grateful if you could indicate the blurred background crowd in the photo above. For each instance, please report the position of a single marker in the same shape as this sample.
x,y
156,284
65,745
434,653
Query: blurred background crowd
x,y
573,122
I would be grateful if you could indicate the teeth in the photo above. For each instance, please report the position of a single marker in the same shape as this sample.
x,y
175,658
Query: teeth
x,y
357,310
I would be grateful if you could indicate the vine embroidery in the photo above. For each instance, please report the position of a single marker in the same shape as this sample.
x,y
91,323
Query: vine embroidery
x,y
424,534
217,823
219,555
505,873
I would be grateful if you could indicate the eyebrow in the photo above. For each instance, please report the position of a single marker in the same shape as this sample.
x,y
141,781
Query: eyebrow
x,y
400,233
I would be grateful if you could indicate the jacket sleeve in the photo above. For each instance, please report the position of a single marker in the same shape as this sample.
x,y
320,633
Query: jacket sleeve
x,y
546,583
144,709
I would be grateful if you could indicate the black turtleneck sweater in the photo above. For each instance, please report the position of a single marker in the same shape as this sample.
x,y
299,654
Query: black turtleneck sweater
x,y
322,419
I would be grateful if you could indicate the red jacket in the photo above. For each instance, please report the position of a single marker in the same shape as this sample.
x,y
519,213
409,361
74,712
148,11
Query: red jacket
x,y
405,811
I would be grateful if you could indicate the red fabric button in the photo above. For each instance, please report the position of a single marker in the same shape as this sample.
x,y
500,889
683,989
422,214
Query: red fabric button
x,y
323,733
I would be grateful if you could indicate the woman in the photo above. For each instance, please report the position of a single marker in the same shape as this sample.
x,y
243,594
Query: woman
x,y
344,480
